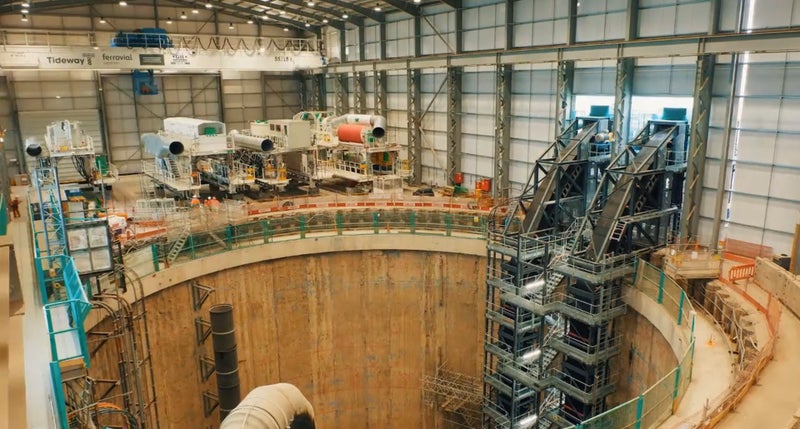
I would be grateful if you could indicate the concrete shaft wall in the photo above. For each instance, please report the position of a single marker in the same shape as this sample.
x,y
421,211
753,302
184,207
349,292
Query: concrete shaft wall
x,y
645,357
355,331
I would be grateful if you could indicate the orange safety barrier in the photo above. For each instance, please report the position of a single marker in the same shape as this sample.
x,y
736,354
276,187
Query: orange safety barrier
x,y
741,272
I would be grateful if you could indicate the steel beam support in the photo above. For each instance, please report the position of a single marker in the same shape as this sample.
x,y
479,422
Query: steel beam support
x,y
502,131
572,21
414,107
321,92
726,144
343,45
774,41
564,96
509,22
263,88
305,97
359,89
632,23
453,122
459,31
623,93
360,43
713,16
367,12
417,36
382,40
19,145
698,144
342,95
379,93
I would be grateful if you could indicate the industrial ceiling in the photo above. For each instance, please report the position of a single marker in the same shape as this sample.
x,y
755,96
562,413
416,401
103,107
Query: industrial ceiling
x,y
297,13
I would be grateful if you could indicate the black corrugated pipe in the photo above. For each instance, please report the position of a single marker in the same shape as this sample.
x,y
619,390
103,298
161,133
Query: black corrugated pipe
x,y
226,362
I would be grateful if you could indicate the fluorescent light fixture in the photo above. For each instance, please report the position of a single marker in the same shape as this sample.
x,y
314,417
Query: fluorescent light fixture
x,y
24,11
24,18
531,355
123,3
534,285
169,21
311,4
283,12
26,4
209,5
183,15
249,21
527,422
417,1
95,47
264,17
345,16
230,26
325,21
195,11
285,28
308,25
377,8
102,20
58,96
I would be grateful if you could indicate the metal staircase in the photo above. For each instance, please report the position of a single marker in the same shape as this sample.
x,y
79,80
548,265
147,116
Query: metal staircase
x,y
178,245
173,168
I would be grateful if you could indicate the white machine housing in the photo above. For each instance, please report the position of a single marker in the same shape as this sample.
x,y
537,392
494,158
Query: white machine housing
x,y
200,136
67,138
286,134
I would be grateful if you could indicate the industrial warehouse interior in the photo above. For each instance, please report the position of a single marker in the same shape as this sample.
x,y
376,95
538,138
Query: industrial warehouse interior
x,y
495,214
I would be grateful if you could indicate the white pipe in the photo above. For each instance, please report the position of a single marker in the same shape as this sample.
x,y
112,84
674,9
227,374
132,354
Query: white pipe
x,y
250,142
34,147
378,122
155,145
271,407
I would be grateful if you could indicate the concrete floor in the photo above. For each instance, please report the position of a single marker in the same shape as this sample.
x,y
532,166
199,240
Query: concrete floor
x,y
29,378
773,401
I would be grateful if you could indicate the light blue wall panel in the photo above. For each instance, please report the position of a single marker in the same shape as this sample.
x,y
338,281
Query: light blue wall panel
x,y
445,41
484,26
540,22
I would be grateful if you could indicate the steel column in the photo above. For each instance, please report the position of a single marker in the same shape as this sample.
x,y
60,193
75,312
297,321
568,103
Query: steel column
x,y
343,45
713,15
572,21
359,88
417,36
22,165
414,135
305,99
565,78
263,88
632,23
459,30
698,144
320,92
509,23
502,130
726,143
623,92
379,93
453,122
342,96
382,39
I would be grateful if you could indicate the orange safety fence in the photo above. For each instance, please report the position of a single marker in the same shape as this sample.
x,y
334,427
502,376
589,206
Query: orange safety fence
x,y
741,272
